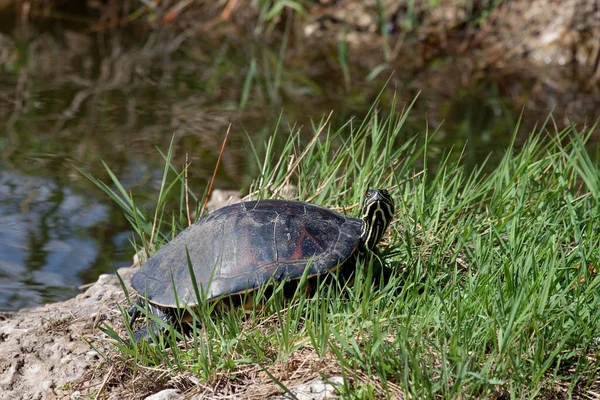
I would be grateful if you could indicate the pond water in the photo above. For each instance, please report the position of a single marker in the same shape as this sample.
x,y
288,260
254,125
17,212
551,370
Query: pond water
x,y
71,98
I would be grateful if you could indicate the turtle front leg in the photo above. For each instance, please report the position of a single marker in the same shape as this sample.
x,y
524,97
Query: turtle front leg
x,y
152,329
134,311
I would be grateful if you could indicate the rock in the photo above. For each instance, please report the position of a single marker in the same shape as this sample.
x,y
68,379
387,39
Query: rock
x,y
315,390
221,198
167,394
287,191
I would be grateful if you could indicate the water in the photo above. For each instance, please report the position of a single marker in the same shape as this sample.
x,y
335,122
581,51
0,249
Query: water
x,y
46,239
72,99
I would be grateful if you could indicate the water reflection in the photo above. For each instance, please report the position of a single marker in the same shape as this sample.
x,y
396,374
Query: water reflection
x,y
45,229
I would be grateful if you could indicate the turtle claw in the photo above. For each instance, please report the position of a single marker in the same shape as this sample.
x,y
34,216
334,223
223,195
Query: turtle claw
x,y
134,313
152,330
148,333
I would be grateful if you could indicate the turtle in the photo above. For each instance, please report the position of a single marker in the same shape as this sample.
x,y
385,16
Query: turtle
x,y
240,248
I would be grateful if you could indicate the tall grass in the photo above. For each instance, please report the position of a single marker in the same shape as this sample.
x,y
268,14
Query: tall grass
x,y
489,287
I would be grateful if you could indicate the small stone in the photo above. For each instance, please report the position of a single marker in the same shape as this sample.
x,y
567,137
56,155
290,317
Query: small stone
x,y
221,198
7,379
167,394
106,279
315,390
66,359
11,330
288,191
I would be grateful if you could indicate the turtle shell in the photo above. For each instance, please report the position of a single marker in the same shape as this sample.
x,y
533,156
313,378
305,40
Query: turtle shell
x,y
243,246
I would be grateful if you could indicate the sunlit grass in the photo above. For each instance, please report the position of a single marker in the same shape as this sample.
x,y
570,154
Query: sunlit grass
x,y
490,286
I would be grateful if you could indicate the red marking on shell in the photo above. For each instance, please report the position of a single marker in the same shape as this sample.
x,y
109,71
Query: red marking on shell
x,y
297,254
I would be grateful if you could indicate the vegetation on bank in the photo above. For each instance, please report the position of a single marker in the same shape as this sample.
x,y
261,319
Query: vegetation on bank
x,y
491,287
265,16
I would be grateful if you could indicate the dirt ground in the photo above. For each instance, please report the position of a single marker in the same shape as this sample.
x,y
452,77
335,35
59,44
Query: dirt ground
x,y
44,351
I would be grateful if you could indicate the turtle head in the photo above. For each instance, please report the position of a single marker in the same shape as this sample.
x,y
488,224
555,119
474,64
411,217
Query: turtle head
x,y
377,213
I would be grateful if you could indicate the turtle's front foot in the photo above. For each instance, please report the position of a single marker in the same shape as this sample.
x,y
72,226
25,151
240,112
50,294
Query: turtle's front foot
x,y
153,329
148,333
134,311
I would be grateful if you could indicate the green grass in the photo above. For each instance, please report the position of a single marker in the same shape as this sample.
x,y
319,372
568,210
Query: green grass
x,y
493,290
